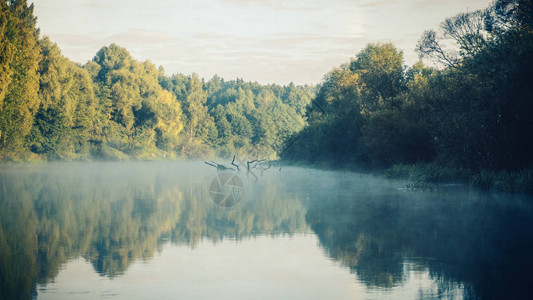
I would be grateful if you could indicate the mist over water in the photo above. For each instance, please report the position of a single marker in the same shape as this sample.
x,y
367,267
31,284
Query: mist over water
x,y
154,229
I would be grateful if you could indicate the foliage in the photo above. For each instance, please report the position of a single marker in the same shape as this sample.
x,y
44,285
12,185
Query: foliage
x,y
351,97
517,182
237,117
115,107
19,81
474,114
62,126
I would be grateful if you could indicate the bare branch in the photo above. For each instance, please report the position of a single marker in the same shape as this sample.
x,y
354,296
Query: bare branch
x,y
210,164
465,32
428,46
233,163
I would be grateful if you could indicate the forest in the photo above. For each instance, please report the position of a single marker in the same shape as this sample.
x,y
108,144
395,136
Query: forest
x,y
117,108
467,118
464,116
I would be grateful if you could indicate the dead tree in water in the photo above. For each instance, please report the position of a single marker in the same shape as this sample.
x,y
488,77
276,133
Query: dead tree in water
x,y
218,166
256,164
233,163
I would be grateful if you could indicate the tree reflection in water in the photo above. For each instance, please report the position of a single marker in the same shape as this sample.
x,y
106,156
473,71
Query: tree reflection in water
x,y
115,214
480,241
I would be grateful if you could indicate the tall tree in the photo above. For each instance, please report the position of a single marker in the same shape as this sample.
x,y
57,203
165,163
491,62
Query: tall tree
x,y
63,124
19,81
380,68
200,125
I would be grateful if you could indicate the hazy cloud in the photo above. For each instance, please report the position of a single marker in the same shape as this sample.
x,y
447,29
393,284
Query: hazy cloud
x,y
460,5
259,40
376,3
142,37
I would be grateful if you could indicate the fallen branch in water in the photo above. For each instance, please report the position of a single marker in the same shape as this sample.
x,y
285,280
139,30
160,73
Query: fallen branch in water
x,y
218,166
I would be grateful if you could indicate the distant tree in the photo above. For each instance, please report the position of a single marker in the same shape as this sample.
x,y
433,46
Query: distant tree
x,y
169,121
200,125
296,97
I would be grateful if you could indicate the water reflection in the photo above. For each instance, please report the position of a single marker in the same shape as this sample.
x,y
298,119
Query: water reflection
x,y
115,215
470,245
480,241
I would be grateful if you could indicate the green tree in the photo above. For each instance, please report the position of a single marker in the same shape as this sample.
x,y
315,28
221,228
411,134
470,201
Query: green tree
x,y
348,98
481,107
19,80
63,124
136,114
169,121
200,126
381,72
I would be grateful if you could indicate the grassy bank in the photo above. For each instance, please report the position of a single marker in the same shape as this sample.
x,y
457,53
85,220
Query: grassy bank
x,y
429,173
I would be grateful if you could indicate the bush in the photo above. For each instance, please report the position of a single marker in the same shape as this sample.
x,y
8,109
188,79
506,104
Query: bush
x,y
514,182
505,181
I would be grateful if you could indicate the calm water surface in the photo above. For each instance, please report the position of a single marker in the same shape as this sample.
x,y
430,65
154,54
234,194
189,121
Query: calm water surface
x,y
153,230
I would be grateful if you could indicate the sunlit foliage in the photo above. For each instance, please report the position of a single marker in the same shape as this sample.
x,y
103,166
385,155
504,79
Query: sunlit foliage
x,y
115,107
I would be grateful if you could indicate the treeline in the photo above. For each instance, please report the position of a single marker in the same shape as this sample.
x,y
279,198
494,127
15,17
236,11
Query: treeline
x,y
115,107
471,113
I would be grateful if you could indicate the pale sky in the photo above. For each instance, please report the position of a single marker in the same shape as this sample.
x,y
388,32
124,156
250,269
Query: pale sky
x,y
269,41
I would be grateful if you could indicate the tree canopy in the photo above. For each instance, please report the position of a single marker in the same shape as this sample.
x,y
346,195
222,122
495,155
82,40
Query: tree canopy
x,y
115,107
473,110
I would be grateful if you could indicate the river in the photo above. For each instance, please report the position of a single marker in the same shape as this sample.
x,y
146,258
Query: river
x,y
183,230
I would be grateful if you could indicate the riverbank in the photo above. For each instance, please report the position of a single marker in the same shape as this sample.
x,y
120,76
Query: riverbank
x,y
431,175
422,174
